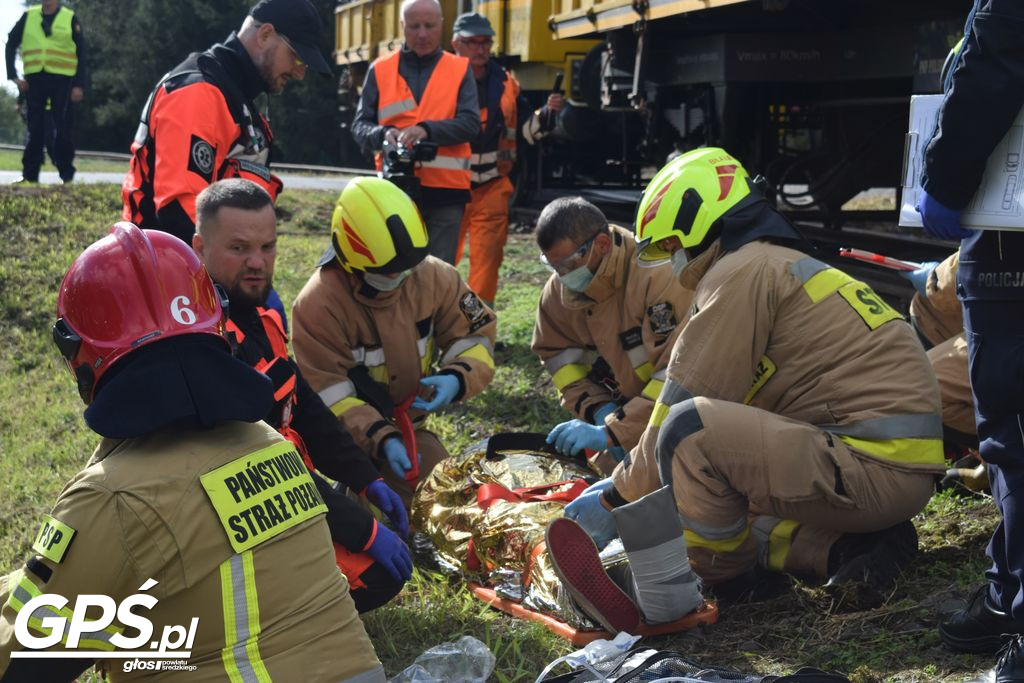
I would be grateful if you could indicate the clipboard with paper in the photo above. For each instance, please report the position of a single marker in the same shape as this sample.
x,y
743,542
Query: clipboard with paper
x,y
999,201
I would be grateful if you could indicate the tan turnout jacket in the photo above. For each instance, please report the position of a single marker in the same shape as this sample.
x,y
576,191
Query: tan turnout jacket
x,y
612,343
433,323
256,569
776,329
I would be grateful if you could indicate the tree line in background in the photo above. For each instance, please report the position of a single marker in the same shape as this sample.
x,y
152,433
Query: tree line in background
x,y
132,44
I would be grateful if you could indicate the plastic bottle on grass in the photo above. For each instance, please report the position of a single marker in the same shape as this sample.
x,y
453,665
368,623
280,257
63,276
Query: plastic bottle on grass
x,y
466,660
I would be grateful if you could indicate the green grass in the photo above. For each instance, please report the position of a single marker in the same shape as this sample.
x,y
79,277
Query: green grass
x,y
43,442
10,160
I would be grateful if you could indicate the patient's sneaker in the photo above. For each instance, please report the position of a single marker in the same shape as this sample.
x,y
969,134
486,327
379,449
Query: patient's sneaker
x,y
575,559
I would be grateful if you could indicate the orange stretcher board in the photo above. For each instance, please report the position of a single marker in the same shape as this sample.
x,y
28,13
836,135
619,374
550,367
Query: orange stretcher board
x,y
706,614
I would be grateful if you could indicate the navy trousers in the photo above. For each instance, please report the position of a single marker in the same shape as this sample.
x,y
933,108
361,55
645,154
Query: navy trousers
x,y
990,282
46,88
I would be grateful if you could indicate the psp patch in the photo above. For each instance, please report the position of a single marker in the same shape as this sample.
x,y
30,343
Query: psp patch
x,y
54,539
200,158
662,317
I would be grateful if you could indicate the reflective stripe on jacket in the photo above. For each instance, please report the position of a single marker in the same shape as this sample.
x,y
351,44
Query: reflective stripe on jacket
x,y
498,157
398,108
55,53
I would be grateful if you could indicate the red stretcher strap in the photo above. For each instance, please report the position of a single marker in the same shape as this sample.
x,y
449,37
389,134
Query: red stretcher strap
x,y
489,493
404,424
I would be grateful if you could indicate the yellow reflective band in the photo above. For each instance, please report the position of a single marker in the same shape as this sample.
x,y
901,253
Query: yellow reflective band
x,y
869,306
262,494
905,451
345,405
644,372
762,373
24,590
825,282
240,603
653,389
54,539
779,542
428,357
379,374
478,352
724,545
569,373
659,414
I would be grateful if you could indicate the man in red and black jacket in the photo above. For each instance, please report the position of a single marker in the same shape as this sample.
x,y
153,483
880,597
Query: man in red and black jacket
x,y
200,124
236,240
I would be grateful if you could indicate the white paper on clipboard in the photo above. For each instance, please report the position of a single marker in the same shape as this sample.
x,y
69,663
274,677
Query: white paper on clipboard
x,y
999,202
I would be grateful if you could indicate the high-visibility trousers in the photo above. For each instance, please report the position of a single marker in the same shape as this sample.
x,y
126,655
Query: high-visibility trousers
x,y
485,222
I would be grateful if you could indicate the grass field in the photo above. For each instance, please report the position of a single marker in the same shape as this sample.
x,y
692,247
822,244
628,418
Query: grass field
x,y
11,160
43,442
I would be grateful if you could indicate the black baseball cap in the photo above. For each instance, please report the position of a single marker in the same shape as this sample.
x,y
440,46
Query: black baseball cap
x,y
297,21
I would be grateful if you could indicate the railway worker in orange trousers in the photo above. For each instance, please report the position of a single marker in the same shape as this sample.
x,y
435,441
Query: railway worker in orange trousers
x,y
485,220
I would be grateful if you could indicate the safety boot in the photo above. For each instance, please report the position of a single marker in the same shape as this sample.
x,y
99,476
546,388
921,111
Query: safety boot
x,y
875,559
25,182
1009,667
575,559
980,627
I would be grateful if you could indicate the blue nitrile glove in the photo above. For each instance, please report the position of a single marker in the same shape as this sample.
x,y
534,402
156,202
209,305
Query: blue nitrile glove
x,y
446,387
604,411
381,495
573,436
940,220
919,278
397,456
591,515
390,552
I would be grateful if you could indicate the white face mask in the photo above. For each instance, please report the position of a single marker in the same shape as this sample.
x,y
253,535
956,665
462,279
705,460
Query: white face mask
x,y
383,283
679,261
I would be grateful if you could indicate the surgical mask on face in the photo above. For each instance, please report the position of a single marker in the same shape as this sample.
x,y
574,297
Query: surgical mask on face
x,y
679,261
577,280
383,283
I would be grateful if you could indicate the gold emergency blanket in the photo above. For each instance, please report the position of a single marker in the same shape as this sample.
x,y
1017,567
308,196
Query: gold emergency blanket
x,y
501,546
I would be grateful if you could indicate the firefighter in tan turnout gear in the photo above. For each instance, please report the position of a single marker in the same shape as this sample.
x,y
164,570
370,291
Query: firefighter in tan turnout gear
x,y
799,425
938,317
386,334
189,499
605,328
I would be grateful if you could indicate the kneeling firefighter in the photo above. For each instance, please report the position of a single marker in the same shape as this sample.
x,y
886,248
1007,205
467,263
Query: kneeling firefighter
x,y
799,427
387,334
189,498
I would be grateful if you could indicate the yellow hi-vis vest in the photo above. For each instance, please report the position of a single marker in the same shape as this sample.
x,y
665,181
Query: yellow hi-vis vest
x,y
54,54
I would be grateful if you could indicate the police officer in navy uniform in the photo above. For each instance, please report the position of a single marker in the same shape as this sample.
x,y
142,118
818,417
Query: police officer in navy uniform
x,y
984,94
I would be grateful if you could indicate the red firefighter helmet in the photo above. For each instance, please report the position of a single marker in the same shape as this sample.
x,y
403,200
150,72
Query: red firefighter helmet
x,y
127,290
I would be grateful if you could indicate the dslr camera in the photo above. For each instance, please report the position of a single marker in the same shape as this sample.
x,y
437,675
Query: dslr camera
x,y
399,161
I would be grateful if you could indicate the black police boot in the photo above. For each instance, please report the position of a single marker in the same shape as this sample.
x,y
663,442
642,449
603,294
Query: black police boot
x,y
875,559
1009,667
980,628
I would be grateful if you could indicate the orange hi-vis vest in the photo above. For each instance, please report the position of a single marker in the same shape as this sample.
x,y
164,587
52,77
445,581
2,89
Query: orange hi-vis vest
x,y
488,164
397,107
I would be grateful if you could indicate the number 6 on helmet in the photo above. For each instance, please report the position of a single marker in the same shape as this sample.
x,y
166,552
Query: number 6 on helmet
x,y
129,289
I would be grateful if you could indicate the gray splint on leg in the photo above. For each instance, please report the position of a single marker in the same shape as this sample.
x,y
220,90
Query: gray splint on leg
x,y
665,587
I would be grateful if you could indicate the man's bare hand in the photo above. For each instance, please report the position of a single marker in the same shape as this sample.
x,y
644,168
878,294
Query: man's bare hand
x,y
555,102
22,85
412,135
77,94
